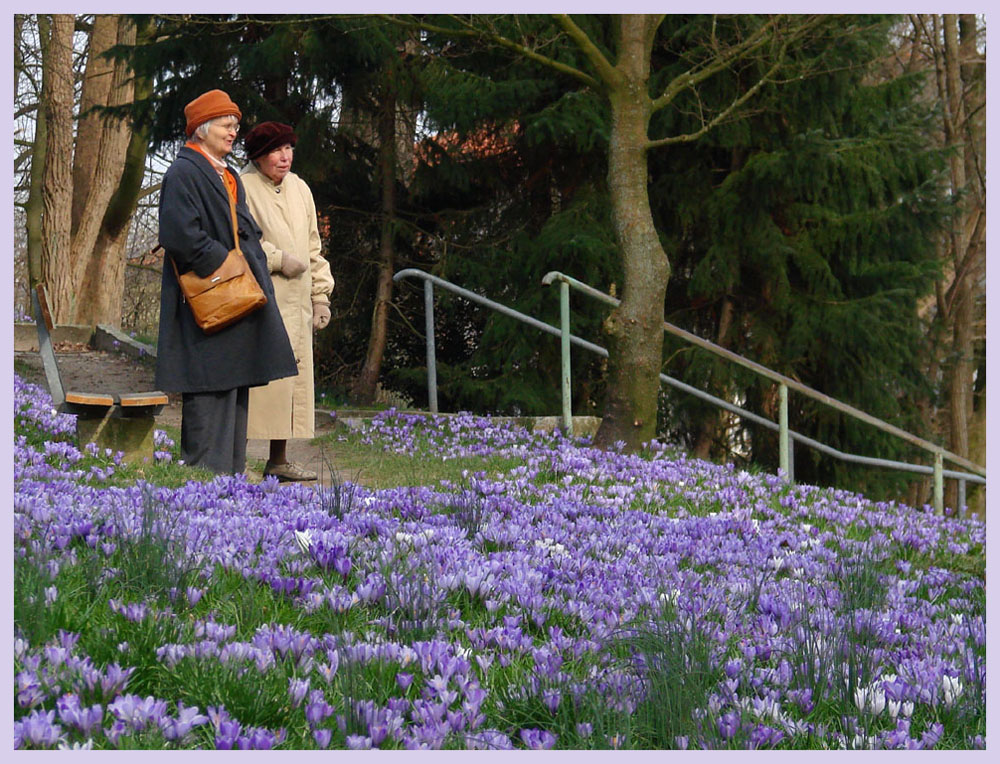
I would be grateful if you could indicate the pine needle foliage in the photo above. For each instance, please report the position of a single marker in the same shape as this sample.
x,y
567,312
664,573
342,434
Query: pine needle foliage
x,y
815,219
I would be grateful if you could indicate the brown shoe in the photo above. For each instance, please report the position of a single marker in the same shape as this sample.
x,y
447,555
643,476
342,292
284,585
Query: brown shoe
x,y
289,472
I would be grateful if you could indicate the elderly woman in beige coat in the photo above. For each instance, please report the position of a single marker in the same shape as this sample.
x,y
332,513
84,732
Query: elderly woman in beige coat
x,y
283,206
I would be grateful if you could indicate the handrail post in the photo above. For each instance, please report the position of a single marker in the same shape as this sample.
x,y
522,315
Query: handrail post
x,y
432,393
567,390
783,437
938,482
961,509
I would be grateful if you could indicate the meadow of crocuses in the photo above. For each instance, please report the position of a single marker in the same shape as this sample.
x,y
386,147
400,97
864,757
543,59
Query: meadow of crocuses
x,y
579,599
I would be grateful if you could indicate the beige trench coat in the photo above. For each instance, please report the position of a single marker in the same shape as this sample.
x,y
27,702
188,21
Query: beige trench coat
x,y
285,408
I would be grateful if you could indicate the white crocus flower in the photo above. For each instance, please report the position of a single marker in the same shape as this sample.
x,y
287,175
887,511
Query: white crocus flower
x,y
953,689
304,540
870,699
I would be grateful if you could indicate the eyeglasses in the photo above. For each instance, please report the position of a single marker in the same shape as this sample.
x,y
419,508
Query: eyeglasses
x,y
227,126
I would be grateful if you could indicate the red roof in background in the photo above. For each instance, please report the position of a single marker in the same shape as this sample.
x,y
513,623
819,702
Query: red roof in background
x,y
486,142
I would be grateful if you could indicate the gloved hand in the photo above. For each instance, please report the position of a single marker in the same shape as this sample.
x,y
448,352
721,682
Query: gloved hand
x,y
321,315
291,266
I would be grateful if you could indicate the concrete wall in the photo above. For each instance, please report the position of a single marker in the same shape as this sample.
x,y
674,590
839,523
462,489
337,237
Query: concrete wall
x,y
116,341
26,336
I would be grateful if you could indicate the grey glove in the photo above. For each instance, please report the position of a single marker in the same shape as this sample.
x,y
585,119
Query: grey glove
x,y
291,266
321,315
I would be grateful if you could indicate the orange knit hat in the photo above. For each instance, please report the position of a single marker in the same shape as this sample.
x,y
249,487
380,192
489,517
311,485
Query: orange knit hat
x,y
214,103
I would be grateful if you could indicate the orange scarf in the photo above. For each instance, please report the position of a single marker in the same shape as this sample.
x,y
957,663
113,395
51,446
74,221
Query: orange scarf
x,y
228,179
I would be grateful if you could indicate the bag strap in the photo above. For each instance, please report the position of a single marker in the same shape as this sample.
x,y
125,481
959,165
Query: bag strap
x,y
232,212
236,235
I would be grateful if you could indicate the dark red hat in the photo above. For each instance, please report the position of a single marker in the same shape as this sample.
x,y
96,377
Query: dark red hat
x,y
266,137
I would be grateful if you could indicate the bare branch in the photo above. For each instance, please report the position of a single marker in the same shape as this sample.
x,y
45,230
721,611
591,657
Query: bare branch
x,y
725,113
605,71
471,31
702,71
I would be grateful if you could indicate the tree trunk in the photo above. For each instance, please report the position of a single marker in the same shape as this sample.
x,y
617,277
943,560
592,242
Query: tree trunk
x,y
635,327
97,80
99,271
716,419
57,179
33,206
964,245
364,388
18,51
113,200
973,71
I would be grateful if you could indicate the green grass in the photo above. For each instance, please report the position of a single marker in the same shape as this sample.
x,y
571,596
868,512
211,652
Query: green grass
x,y
22,369
369,465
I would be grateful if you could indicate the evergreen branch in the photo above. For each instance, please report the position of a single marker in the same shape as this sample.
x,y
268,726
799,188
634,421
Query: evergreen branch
x,y
469,30
607,73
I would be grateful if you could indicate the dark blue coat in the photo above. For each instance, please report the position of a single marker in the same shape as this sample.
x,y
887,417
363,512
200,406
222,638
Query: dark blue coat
x,y
196,230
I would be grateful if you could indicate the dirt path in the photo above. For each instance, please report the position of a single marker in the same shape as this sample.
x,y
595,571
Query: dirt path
x,y
90,370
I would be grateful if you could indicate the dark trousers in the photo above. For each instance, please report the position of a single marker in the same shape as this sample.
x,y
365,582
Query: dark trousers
x,y
214,430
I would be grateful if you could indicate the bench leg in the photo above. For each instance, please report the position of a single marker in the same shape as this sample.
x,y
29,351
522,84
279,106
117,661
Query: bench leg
x,y
132,435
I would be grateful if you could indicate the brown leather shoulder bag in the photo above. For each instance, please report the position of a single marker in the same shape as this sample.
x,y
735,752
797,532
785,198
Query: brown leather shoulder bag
x,y
225,296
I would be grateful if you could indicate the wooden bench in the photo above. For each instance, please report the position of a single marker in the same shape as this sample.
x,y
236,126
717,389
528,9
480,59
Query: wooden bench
x,y
122,422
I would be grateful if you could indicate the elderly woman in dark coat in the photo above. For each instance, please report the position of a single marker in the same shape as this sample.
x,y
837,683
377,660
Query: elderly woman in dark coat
x,y
213,372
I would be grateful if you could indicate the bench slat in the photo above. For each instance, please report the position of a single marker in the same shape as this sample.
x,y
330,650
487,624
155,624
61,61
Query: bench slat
x,y
90,399
152,398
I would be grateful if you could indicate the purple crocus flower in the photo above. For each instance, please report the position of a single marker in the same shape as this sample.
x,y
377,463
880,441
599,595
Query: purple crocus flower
x,y
72,714
138,713
37,730
490,740
29,690
551,698
227,731
317,710
297,689
322,737
358,742
187,719
260,739
537,740
931,735
729,724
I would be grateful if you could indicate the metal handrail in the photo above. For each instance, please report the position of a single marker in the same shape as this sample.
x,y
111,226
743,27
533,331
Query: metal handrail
x,y
787,383
567,339
776,377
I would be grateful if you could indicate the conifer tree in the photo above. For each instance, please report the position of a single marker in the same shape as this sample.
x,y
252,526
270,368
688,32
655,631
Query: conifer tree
x,y
614,61
807,236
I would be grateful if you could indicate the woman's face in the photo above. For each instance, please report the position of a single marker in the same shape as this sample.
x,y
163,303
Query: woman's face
x,y
277,163
221,134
